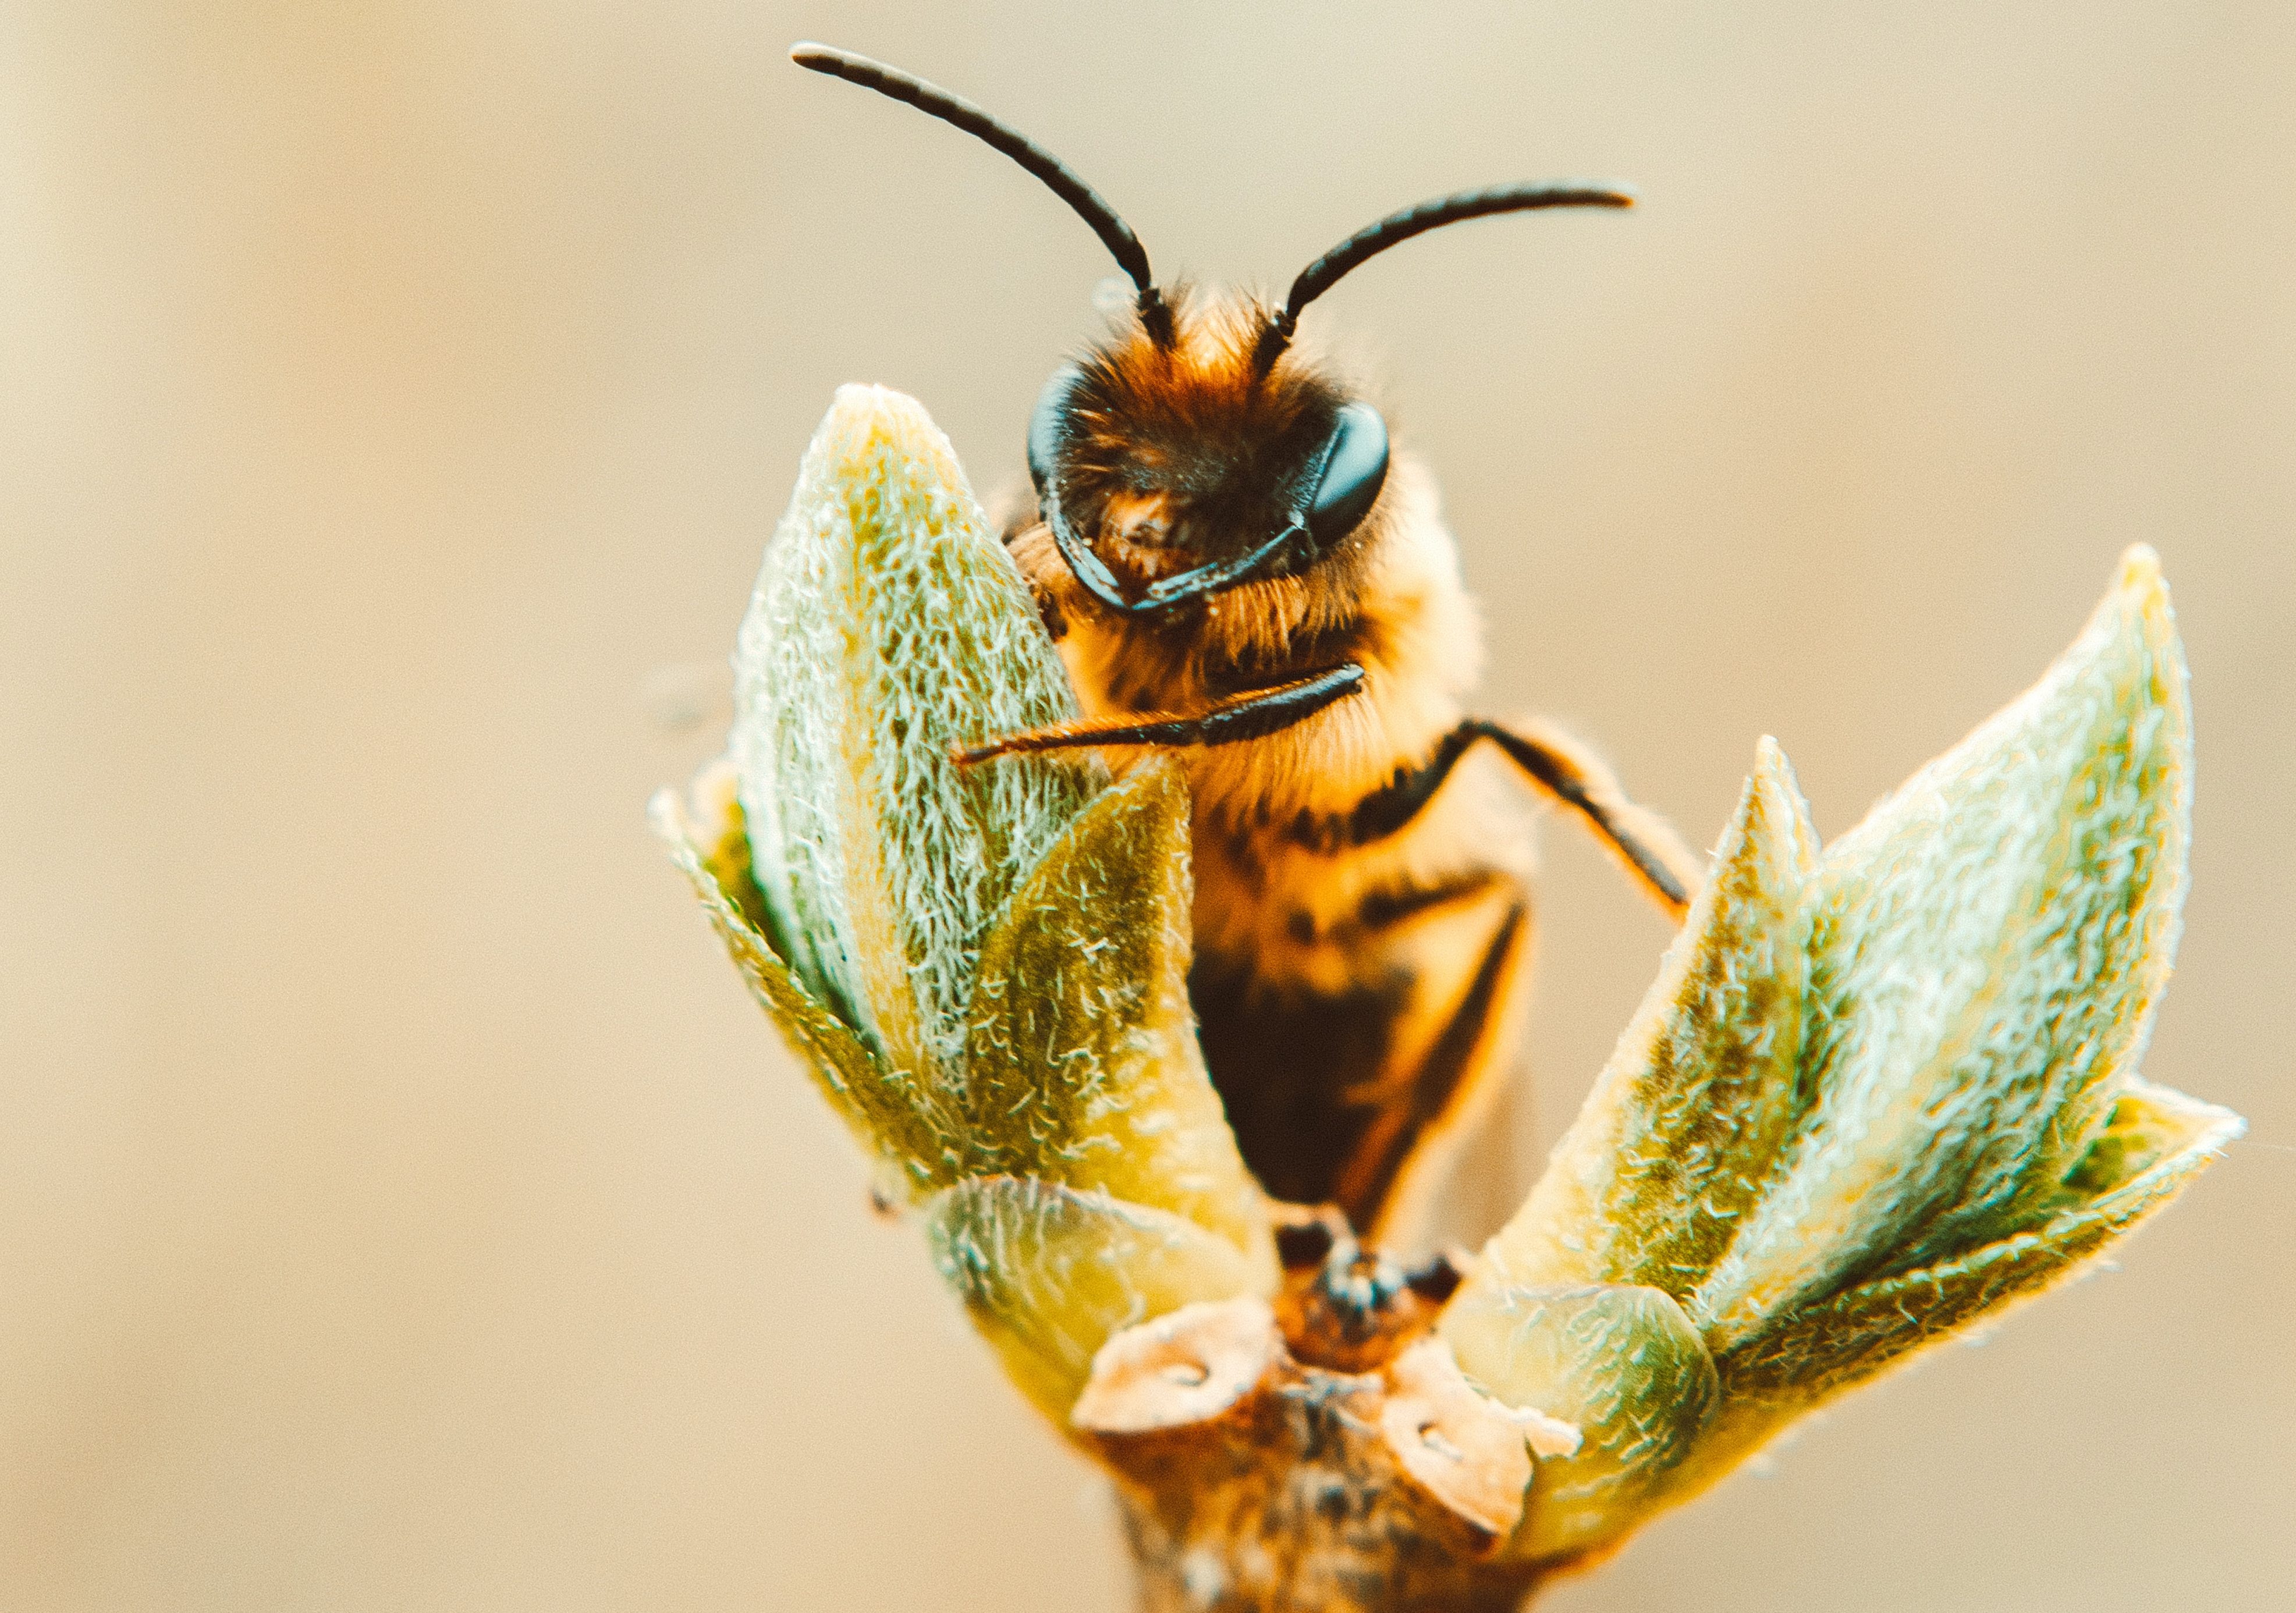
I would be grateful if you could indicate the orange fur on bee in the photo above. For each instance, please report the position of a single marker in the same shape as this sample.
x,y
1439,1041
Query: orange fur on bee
x,y
1409,915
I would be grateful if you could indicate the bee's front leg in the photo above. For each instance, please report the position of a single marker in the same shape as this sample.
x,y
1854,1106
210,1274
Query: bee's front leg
x,y
1251,716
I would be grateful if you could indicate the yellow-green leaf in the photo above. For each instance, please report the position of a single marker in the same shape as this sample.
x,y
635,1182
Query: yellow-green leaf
x,y
2154,1144
1987,950
879,1105
1049,1274
1620,1362
888,626
1686,1122
1082,1065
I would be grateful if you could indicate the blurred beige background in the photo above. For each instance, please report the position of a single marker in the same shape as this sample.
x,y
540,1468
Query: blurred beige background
x,y
402,1206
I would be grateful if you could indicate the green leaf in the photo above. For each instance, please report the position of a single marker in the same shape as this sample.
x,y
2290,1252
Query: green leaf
x,y
888,626
1677,1139
879,1105
2154,1144
1049,1274
1988,947
1082,1065
1623,1364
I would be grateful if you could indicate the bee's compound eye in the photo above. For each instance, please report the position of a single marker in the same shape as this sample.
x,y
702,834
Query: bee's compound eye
x,y
1048,427
1353,473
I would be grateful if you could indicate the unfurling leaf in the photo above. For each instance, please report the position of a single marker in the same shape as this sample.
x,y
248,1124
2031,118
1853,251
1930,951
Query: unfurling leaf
x,y
1687,1121
882,1110
2155,1143
985,968
888,626
1987,950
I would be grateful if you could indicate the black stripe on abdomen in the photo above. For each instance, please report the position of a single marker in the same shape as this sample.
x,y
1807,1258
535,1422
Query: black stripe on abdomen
x,y
1389,906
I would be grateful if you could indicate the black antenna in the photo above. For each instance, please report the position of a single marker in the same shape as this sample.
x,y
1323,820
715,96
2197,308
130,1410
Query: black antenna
x,y
1062,180
1319,277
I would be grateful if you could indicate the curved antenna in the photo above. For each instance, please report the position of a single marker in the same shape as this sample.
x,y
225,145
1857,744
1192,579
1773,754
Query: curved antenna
x,y
1319,277
1061,179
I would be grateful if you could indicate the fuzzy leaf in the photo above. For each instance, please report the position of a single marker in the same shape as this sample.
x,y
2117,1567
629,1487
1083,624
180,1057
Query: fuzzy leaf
x,y
1082,1065
1881,1092
2155,1143
1049,1274
1988,948
1620,1362
1679,1135
714,852
889,625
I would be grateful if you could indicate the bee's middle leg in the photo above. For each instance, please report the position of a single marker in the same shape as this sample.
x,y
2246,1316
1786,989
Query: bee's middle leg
x,y
1560,768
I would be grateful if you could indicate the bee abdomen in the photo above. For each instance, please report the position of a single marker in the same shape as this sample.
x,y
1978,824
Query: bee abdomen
x,y
1388,907
1332,1086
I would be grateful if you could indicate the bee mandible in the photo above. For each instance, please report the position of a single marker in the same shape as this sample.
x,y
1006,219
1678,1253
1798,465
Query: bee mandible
x,y
1240,569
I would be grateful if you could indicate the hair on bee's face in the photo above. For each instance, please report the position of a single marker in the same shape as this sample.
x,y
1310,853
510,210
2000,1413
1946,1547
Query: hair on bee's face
x,y
1191,469
1189,454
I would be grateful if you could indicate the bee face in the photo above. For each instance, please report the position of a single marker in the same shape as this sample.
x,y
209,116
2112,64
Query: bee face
x,y
1171,470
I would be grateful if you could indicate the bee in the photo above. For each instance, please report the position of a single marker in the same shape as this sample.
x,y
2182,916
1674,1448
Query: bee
x,y
1240,570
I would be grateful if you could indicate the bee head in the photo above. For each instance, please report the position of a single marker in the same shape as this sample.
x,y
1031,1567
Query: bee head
x,y
1170,470
1186,457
